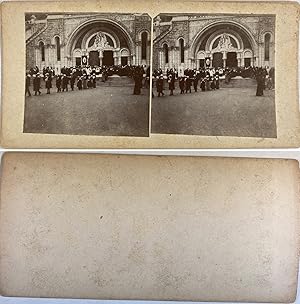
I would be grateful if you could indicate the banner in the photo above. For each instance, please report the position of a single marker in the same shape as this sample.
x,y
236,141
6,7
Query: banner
x,y
207,62
84,60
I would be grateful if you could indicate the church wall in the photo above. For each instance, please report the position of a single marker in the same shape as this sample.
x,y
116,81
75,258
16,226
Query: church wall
x,y
189,28
64,26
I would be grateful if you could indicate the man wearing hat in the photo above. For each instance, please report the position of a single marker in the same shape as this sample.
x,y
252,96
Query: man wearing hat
x,y
160,85
188,84
48,82
171,81
58,83
36,83
65,81
196,80
79,83
181,85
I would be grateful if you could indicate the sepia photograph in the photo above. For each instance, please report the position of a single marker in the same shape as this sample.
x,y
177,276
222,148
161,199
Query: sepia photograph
x,y
214,75
87,74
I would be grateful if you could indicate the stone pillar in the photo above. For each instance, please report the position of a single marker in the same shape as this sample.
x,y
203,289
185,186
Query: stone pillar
x,y
100,57
178,62
224,59
47,51
37,58
261,54
242,59
173,58
115,56
161,60
137,54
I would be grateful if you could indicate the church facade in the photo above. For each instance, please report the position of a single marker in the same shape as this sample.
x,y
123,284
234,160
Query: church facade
x,y
87,39
195,41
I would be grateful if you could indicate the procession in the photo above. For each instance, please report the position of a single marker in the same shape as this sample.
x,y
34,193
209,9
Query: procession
x,y
82,78
210,79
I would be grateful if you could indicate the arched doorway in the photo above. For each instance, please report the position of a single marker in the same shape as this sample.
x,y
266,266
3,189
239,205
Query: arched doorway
x,y
101,41
94,58
108,58
231,60
217,60
226,44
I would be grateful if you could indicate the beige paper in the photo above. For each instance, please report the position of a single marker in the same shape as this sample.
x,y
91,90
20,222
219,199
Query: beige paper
x,y
149,227
13,61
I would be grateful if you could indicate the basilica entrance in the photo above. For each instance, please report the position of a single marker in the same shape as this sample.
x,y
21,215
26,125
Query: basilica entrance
x,y
102,48
231,60
224,49
217,60
108,58
124,61
94,58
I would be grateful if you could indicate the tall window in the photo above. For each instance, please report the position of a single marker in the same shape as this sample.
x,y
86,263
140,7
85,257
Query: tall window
x,y
42,50
181,49
57,42
166,52
267,46
144,45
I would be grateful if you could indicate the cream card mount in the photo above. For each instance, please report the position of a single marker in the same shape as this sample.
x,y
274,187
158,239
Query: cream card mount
x,y
105,66
149,227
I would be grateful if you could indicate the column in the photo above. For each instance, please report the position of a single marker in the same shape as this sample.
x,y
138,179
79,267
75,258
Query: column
x,y
242,59
137,54
173,58
37,60
100,57
178,62
261,53
115,57
160,60
211,60
224,59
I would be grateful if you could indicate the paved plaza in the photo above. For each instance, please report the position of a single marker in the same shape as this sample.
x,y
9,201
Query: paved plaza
x,y
233,110
109,109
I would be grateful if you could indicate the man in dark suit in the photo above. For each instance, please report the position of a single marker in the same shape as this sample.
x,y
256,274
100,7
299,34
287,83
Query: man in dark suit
x,y
160,86
48,81
36,83
65,81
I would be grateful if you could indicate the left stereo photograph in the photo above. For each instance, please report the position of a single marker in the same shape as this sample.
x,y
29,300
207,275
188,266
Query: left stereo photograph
x,y
87,74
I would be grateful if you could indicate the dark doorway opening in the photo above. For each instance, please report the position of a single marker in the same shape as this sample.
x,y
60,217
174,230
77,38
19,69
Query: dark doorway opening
x,y
108,58
78,60
217,60
124,61
94,58
202,63
231,60
247,62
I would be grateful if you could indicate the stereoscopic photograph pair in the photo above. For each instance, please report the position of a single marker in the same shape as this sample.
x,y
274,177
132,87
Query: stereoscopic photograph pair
x,y
103,73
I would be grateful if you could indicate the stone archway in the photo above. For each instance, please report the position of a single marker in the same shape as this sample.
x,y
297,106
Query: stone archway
x,y
103,37
224,44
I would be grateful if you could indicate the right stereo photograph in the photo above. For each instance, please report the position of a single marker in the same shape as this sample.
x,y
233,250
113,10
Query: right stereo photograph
x,y
214,75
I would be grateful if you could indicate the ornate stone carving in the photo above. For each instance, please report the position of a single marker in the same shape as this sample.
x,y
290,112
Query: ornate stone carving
x,y
224,44
100,43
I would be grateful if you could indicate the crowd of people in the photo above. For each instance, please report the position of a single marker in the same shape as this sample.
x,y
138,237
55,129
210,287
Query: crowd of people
x,y
85,77
209,79
82,77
